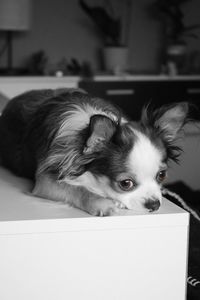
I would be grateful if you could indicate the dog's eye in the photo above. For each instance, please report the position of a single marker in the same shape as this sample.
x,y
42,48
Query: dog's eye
x,y
161,176
126,185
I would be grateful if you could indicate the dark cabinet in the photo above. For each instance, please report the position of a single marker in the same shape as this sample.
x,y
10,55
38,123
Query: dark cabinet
x,y
132,95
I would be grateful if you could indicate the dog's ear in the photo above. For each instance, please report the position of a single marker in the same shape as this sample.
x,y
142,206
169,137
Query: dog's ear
x,y
167,120
101,130
172,120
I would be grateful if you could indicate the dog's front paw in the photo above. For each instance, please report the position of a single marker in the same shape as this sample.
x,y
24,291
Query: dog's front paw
x,y
119,204
104,207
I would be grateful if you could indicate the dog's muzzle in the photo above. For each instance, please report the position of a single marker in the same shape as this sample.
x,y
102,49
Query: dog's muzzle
x,y
152,204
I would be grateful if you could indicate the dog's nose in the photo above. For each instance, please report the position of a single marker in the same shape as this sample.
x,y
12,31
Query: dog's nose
x,y
152,205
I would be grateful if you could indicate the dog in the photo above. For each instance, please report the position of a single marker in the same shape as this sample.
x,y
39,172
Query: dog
x,y
84,151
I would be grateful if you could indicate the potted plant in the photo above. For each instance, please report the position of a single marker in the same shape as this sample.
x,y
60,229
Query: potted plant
x,y
174,31
113,30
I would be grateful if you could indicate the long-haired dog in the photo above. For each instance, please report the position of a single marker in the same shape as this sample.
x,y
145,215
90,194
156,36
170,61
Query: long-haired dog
x,y
84,151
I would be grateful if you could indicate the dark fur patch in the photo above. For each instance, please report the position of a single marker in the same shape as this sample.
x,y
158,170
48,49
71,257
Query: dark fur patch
x,y
112,160
29,124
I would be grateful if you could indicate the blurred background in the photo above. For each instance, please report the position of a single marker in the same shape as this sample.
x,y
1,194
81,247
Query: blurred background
x,y
55,32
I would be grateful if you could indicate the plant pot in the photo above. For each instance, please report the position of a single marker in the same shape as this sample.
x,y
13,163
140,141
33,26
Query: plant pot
x,y
115,59
176,56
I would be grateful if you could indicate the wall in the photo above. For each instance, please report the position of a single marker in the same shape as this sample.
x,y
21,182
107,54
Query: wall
x,y
63,30
59,28
144,40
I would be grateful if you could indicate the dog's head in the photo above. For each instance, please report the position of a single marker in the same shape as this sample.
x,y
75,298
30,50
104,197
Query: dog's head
x,y
128,162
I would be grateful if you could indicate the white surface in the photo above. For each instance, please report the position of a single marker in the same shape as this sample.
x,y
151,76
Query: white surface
x,y
127,77
13,86
49,251
146,263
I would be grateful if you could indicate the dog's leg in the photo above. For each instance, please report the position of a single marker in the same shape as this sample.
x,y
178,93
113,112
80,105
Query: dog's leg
x,y
48,188
96,205
79,197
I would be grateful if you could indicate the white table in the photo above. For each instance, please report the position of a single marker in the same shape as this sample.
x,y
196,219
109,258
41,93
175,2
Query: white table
x,y
13,86
50,251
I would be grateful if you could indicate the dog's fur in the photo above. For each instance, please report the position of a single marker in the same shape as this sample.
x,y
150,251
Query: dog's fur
x,y
84,151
